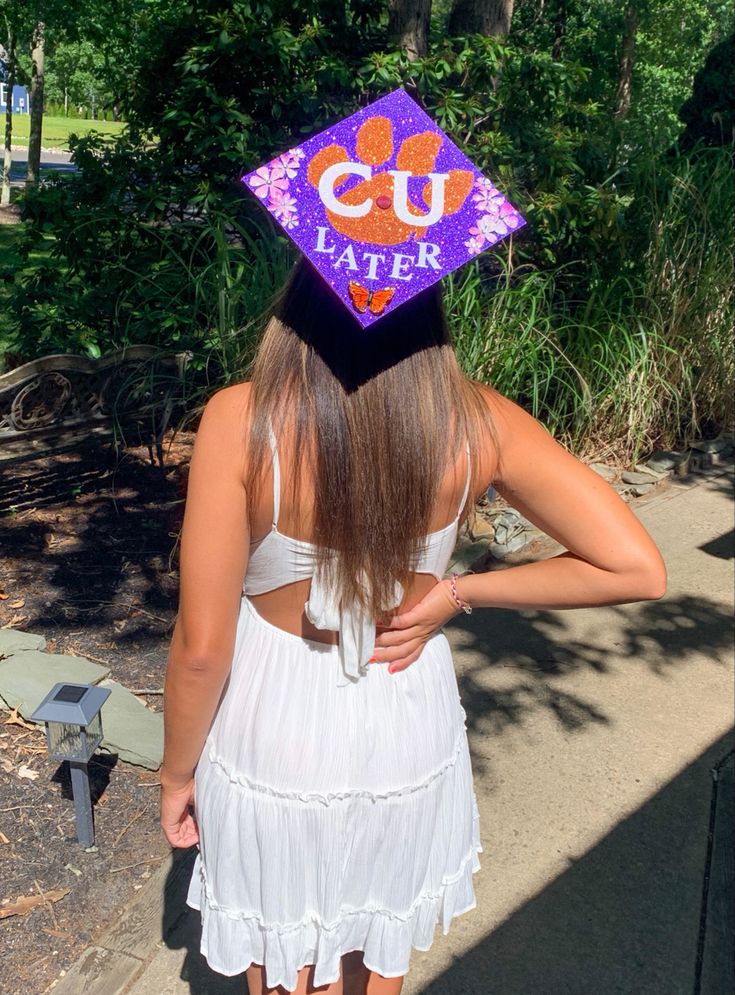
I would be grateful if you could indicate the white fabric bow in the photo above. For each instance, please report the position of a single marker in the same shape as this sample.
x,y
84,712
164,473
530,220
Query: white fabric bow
x,y
355,625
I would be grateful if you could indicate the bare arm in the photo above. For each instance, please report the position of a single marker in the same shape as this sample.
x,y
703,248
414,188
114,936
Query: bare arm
x,y
611,558
214,550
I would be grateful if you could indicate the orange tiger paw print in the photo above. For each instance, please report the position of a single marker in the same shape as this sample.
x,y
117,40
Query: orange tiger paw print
x,y
379,208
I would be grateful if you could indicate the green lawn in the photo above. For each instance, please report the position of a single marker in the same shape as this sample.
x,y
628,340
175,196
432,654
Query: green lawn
x,y
56,130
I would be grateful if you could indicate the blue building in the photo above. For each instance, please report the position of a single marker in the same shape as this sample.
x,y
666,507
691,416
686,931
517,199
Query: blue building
x,y
20,99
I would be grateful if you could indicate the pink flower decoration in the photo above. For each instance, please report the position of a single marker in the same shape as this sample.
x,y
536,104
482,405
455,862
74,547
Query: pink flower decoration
x,y
292,159
489,200
494,226
282,204
267,182
475,243
289,163
510,216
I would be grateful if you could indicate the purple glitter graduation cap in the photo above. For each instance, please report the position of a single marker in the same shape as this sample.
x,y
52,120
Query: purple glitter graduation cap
x,y
383,204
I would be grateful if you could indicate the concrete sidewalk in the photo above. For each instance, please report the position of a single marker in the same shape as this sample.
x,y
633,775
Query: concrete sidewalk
x,y
607,840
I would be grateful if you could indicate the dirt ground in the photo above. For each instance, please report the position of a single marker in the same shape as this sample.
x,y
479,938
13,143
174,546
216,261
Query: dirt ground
x,y
88,561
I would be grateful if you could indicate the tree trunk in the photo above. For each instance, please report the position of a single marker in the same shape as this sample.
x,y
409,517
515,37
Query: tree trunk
x,y
625,73
8,155
481,17
36,100
560,28
408,25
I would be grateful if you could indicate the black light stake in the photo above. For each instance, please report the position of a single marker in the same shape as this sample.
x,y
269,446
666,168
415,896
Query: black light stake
x,y
73,720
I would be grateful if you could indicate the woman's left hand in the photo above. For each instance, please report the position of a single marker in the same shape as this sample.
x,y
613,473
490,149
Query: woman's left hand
x,y
177,820
401,641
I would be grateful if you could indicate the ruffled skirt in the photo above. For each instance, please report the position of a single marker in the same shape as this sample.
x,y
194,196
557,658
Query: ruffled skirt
x,y
331,818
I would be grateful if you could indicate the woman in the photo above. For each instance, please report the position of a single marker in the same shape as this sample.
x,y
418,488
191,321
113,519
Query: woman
x,y
334,808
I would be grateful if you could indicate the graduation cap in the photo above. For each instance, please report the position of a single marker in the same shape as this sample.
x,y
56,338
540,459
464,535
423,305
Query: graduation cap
x,y
383,204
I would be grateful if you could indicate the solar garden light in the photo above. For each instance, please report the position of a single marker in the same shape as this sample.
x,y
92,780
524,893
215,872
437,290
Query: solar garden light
x,y
73,720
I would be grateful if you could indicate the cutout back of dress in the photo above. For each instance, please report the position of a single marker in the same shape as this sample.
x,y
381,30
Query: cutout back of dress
x,y
278,559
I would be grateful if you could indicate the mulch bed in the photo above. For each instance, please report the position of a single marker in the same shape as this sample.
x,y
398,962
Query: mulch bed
x,y
89,561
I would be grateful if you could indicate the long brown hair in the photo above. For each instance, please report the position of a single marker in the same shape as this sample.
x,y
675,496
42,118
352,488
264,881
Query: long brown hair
x,y
377,417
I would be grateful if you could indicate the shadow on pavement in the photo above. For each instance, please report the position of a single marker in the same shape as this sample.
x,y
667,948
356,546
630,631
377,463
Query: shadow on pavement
x,y
623,919
534,650
181,930
723,547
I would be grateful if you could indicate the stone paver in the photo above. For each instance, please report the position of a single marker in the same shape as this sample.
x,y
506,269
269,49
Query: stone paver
x,y
467,552
12,641
27,676
637,477
131,730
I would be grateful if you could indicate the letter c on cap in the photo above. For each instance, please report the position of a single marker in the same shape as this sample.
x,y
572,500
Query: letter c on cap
x,y
328,181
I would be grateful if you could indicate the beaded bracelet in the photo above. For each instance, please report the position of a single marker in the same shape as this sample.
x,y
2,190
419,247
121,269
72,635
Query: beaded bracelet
x,y
467,609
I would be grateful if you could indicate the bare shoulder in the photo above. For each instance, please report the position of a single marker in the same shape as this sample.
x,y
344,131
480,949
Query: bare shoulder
x,y
508,417
229,402
508,431
223,427
519,437
537,474
227,412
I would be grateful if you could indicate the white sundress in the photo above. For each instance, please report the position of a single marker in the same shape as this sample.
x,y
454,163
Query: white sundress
x,y
334,800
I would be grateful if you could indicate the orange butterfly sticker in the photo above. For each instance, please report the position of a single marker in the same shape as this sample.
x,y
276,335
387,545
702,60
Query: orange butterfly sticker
x,y
364,299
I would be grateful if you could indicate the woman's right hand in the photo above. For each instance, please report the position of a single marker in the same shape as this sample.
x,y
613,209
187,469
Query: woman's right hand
x,y
178,817
400,641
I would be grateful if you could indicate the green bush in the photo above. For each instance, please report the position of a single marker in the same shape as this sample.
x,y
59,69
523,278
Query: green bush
x,y
608,315
134,268
627,362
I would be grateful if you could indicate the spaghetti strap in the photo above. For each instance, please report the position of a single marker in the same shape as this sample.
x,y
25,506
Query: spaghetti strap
x,y
467,481
276,476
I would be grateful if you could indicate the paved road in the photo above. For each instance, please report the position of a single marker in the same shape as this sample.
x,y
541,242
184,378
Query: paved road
x,y
594,734
51,162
